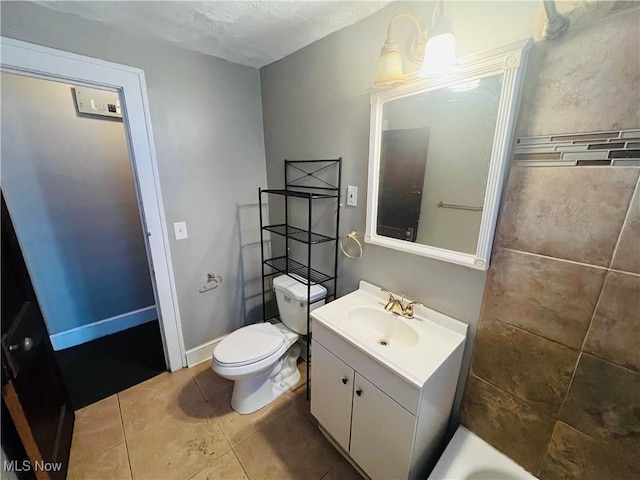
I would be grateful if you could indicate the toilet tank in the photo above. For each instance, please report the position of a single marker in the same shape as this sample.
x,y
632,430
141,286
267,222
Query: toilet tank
x,y
291,296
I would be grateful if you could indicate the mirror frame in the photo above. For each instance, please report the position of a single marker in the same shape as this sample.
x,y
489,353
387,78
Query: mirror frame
x,y
509,61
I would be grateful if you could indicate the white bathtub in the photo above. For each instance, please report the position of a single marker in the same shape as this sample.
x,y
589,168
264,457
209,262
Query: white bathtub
x,y
468,457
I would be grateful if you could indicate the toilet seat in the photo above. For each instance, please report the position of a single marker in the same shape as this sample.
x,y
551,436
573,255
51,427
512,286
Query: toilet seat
x,y
249,345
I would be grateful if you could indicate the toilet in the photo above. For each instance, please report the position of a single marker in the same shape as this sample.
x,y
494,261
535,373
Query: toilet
x,y
262,358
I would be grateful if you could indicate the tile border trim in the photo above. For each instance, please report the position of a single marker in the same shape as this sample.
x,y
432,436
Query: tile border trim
x,y
607,148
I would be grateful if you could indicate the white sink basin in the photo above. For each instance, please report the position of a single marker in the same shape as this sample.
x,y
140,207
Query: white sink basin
x,y
377,326
413,348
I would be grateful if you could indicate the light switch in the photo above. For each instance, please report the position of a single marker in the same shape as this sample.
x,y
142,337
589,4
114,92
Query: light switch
x,y
180,230
352,196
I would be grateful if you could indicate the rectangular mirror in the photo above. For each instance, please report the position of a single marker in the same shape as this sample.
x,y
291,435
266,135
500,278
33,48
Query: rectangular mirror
x,y
439,149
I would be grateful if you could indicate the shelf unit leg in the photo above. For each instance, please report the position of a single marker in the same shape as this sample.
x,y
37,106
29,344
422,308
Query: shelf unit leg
x,y
264,299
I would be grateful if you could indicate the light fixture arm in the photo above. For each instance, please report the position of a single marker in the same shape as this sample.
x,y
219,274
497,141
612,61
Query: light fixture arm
x,y
438,9
438,41
415,21
416,52
556,23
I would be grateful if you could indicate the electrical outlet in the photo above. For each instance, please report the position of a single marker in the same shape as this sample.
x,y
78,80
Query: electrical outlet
x,y
352,196
180,230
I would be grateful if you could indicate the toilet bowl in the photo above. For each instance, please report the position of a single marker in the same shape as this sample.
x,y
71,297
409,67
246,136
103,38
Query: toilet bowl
x,y
261,359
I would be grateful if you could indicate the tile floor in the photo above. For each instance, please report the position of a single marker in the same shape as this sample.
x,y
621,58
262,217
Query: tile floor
x,y
181,426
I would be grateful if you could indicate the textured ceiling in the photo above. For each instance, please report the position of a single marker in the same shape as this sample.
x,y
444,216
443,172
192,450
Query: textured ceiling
x,y
253,33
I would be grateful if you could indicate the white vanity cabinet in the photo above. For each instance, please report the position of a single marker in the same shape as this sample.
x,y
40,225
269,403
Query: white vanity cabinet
x,y
375,430
382,386
333,381
381,432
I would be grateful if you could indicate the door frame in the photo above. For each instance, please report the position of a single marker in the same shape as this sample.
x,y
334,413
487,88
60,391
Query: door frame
x,y
32,60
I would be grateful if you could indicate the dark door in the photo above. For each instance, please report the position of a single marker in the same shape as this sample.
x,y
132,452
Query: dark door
x,y
403,162
32,386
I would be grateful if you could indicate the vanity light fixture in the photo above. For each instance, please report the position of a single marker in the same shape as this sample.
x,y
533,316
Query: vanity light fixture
x,y
434,49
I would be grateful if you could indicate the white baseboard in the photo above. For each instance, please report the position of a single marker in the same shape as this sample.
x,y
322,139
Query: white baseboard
x,y
102,328
203,352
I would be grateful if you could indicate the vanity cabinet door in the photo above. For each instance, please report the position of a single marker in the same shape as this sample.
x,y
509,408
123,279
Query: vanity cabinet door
x,y
331,393
381,432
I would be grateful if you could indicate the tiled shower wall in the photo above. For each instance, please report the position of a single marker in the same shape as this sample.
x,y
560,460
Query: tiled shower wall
x,y
555,375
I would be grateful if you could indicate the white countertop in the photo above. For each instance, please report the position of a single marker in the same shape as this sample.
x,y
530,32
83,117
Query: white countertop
x,y
439,335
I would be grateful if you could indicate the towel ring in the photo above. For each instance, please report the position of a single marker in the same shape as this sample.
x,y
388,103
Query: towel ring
x,y
213,281
353,236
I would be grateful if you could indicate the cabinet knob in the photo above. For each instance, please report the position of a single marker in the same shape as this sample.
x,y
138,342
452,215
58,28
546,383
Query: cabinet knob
x,y
345,380
359,392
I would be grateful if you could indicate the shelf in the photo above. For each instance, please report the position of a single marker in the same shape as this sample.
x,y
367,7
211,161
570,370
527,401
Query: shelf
x,y
300,194
309,180
280,265
298,234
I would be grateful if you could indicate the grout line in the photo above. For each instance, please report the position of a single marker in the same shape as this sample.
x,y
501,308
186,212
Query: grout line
x,y
613,364
546,453
584,340
124,434
332,466
204,397
599,267
233,449
566,395
624,272
593,314
624,223
575,349
225,433
527,402
239,463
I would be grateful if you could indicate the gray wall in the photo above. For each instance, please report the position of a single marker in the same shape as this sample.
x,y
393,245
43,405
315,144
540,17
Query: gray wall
x,y
316,105
207,124
69,188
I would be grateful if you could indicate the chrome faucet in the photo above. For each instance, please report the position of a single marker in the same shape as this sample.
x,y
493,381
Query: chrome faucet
x,y
397,306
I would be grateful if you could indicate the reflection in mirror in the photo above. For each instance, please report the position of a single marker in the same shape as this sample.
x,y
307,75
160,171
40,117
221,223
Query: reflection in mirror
x,y
434,164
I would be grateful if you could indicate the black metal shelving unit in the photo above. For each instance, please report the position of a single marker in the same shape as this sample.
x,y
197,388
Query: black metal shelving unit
x,y
317,181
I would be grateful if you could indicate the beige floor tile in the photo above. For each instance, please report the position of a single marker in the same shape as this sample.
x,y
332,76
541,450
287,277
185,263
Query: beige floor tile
x,y
298,394
211,385
107,465
179,446
220,403
299,401
302,383
225,468
288,448
97,428
157,399
238,427
342,471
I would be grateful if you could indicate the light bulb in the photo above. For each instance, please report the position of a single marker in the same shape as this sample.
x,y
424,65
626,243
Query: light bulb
x,y
439,55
